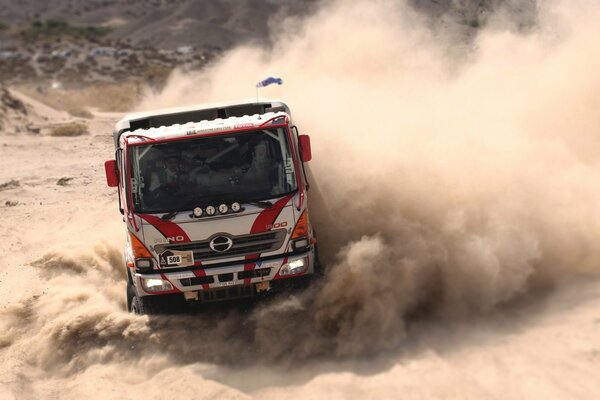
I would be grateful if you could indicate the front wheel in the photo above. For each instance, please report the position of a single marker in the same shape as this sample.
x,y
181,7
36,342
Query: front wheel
x,y
164,304
318,266
139,305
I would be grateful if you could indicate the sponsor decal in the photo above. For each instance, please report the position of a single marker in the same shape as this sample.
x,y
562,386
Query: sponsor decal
x,y
276,225
195,131
268,264
221,284
245,125
180,275
173,258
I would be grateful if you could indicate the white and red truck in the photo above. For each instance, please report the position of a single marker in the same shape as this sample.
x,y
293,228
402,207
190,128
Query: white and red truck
x,y
214,198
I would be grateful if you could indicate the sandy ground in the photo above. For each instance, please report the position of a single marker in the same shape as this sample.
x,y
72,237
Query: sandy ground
x,y
457,216
546,347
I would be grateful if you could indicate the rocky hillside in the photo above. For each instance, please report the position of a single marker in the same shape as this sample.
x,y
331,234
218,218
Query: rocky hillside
x,y
219,24
166,24
11,108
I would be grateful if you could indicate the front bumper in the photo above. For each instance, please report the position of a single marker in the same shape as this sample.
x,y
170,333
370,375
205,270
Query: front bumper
x,y
231,276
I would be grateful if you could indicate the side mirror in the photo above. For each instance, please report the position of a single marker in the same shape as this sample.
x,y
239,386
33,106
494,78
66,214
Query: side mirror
x,y
112,177
305,152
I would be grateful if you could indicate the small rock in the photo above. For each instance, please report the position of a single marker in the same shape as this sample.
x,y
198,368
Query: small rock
x,y
64,181
12,184
10,203
34,129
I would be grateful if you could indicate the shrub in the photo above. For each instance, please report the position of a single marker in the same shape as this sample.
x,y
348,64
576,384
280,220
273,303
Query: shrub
x,y
56,28
70,130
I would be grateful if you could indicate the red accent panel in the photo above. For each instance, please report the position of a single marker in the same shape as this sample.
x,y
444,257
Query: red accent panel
x,y
286,119
128,204
248,267
167,228
277,276
200,273
269,215
266,217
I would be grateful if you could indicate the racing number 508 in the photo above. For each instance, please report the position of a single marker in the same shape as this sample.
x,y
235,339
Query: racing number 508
x,y
174,259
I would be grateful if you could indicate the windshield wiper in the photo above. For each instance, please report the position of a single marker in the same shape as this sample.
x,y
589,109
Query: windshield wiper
x,y
261,204
170,215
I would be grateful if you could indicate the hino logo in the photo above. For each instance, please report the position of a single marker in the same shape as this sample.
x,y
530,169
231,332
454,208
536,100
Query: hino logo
x,y
221,244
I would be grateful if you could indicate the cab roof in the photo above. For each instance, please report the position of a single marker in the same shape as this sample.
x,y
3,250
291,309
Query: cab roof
x,y
201,113
205,127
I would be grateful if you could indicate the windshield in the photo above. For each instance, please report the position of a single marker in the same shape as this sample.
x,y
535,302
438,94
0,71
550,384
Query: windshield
x,y
204,171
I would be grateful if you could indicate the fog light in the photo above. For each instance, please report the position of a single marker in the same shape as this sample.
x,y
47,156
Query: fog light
x,y
156,285
197,212
223,208
236,207
298,266
144,263
210,210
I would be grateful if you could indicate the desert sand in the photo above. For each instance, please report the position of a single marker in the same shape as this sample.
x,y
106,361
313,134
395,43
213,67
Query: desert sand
x,y
456,199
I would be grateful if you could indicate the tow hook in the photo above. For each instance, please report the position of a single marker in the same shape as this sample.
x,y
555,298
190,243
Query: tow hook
x,y
191,295
263,287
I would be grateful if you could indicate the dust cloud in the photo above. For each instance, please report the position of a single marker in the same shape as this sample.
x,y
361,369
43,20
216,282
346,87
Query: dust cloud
x,y
447,181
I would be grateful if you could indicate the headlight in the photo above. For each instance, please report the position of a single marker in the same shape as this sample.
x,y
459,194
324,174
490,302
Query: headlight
x,y
300,244
156,285
298,266
144,263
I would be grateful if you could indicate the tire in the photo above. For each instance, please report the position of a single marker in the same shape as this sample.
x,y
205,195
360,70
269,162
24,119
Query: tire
x,y
139,305
143,306
148,305
130,294
318,266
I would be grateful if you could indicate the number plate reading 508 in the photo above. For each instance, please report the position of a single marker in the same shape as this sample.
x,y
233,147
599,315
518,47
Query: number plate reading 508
x,y
174,260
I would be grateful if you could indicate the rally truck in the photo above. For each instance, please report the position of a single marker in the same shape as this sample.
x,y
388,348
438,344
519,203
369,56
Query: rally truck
x,y
214,199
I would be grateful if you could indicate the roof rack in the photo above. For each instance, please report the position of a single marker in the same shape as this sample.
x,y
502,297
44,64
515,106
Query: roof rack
x,y
149,120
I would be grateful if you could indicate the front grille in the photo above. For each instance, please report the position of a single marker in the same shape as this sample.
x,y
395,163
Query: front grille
x,y
255,273
227,293
242,245
199,280
226,277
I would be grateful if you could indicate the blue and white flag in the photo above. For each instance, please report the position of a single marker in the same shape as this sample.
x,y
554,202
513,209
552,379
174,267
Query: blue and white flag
x,y
269,81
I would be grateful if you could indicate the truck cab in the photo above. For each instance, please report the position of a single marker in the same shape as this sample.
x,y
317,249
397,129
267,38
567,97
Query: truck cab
x,y
214,200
